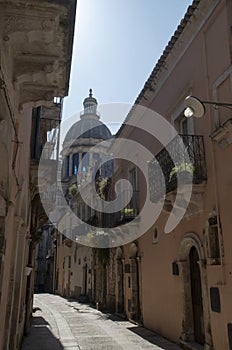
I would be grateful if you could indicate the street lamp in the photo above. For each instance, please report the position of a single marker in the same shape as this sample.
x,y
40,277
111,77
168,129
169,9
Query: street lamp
x,y
196,107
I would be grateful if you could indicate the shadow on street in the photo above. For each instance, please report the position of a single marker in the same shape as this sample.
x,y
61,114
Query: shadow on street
x,y
151,337
40,336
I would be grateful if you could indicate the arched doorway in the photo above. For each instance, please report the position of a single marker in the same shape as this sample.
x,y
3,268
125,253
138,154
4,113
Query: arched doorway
x,y
120,282
195,313
196,291
138,277
135,275
85,279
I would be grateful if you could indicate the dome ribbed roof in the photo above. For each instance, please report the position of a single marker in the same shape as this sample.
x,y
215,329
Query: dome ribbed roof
x,y
88,128
91,100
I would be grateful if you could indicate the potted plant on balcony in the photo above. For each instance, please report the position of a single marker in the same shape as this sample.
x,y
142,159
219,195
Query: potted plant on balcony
x,y
73,190
128,211
103,186
185,171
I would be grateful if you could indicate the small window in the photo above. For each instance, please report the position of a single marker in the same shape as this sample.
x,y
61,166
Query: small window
x,y
96,159
215,299
85,161
75,163
155,235
67,166
129,305
133,178
133,204
107,166
213,240
184,126
75,255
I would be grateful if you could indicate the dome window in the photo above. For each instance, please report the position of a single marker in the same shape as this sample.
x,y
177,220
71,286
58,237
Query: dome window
x,y
75,163
85,161
67,166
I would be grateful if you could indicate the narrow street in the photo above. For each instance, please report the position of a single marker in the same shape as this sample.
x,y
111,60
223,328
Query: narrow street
x,y
62,324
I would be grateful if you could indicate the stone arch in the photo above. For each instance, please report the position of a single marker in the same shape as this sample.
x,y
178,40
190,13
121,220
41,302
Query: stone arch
x,y
135,275
189,241
119,253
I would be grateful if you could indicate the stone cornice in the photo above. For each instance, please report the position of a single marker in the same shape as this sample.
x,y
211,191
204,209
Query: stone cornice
x,y
36,48
223,135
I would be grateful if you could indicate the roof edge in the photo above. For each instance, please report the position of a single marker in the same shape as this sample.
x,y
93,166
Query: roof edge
x,y
161,61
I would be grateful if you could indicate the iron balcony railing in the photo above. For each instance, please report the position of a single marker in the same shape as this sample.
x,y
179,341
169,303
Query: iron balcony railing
x,y
188,162
128,213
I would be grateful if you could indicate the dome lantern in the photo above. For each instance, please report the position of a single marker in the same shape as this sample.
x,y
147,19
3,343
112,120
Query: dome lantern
x,y
90,106
89,127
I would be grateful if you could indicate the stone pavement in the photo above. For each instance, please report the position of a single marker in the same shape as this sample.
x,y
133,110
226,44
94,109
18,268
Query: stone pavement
x,y
60,324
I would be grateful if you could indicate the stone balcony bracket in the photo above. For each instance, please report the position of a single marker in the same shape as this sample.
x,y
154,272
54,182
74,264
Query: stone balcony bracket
x,y
36,43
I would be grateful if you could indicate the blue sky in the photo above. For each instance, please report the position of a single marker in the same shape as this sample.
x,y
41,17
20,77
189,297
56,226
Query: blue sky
x,y
116,45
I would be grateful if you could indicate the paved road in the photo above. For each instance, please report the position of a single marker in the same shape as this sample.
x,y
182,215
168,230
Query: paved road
x,y
59,324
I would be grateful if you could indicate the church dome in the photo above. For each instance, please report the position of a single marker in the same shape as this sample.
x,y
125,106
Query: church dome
x,y
89,126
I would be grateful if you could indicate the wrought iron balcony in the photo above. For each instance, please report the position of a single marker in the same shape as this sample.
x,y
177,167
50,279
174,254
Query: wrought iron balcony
x,y
189,163
45,131
128,213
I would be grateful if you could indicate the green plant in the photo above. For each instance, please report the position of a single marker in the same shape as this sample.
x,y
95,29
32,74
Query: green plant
x,y
127,212
103,187
188,167
89,238
73,190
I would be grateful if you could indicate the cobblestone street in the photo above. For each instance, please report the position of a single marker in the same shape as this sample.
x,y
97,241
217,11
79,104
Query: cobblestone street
x,y
62,324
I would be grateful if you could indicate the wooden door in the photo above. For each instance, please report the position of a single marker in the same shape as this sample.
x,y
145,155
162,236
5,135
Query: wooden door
x,y
85,279
197,305
138,291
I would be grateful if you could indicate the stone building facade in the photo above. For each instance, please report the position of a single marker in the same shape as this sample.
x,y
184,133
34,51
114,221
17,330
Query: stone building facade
x,y
35,60
179,283
79,273
44,261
